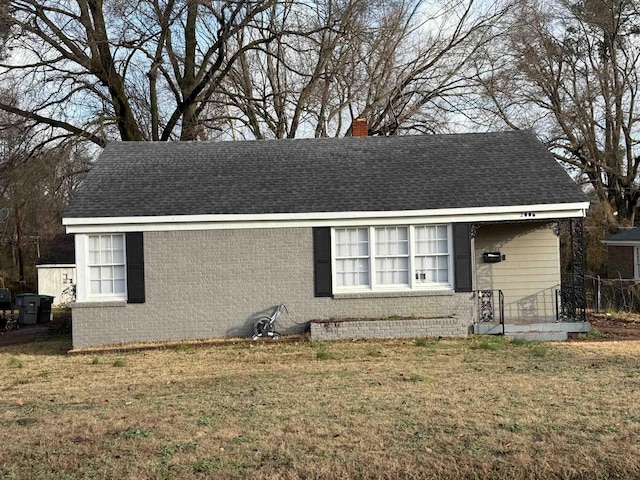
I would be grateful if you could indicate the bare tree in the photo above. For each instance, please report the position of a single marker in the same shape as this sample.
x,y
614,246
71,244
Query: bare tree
x,y
5,25
570,71
127,69
35,185
397,63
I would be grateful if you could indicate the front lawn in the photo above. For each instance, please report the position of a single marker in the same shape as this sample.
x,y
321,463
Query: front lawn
x,y
475,408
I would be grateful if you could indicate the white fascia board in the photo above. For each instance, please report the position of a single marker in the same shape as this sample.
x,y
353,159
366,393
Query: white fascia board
x,y
57,265
627,243
319,219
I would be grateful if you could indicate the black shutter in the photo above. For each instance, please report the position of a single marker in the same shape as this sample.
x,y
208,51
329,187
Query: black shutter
x,y
322,261
462,256
135,268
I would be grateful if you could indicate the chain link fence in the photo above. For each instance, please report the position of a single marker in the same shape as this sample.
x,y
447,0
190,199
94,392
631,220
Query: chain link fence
x,y
612,295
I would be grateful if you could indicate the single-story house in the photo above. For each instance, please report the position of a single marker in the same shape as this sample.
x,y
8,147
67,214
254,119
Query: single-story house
x,y
192,240
56,270
623,250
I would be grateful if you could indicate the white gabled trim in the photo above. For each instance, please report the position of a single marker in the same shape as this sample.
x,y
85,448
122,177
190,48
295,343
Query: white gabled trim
x,y
324,219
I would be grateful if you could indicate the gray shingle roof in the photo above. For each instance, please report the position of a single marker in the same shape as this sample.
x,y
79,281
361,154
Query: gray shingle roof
x,y
323,175
632,235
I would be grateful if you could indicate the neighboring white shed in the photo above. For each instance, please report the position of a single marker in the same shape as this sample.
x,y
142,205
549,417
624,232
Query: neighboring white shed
x,y
57,270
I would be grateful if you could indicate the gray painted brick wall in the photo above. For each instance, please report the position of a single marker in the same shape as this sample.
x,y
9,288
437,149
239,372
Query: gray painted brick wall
x,y
214,283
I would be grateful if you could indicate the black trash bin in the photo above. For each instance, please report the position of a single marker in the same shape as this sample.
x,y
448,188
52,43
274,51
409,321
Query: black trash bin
x,y
27,304
44,309
5,300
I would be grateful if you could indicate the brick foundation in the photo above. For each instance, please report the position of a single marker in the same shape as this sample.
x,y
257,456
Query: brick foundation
x,y
387,328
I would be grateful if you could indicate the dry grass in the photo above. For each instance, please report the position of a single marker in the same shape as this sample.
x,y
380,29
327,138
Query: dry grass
x,y
476,408
623,317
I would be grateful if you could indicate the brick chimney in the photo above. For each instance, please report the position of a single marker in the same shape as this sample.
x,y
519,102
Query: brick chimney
x,y
359,128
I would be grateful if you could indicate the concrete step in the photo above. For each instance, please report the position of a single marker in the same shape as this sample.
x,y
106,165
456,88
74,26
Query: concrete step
x,y
534,332
540,336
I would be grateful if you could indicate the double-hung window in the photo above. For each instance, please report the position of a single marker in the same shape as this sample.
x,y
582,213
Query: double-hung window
x,y
352,257
106,263
391,258
431,255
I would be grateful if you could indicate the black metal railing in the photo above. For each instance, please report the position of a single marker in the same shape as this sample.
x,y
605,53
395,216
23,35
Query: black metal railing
x,y
488,311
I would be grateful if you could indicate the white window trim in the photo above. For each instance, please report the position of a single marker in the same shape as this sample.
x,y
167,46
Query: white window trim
x,y
83,277
413,285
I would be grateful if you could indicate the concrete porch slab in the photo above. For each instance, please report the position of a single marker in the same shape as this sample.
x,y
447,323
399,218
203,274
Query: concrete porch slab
x,y
514,330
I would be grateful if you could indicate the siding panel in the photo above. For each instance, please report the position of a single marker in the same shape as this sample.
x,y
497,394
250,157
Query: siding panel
x,y
530,274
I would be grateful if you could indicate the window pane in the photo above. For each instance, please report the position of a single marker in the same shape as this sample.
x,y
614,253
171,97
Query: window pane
x,y
94,273
118,242
95,286
94,249
118,256
105,242
107,286
106,273
118,272
442,246
118,286
106,257
381,246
